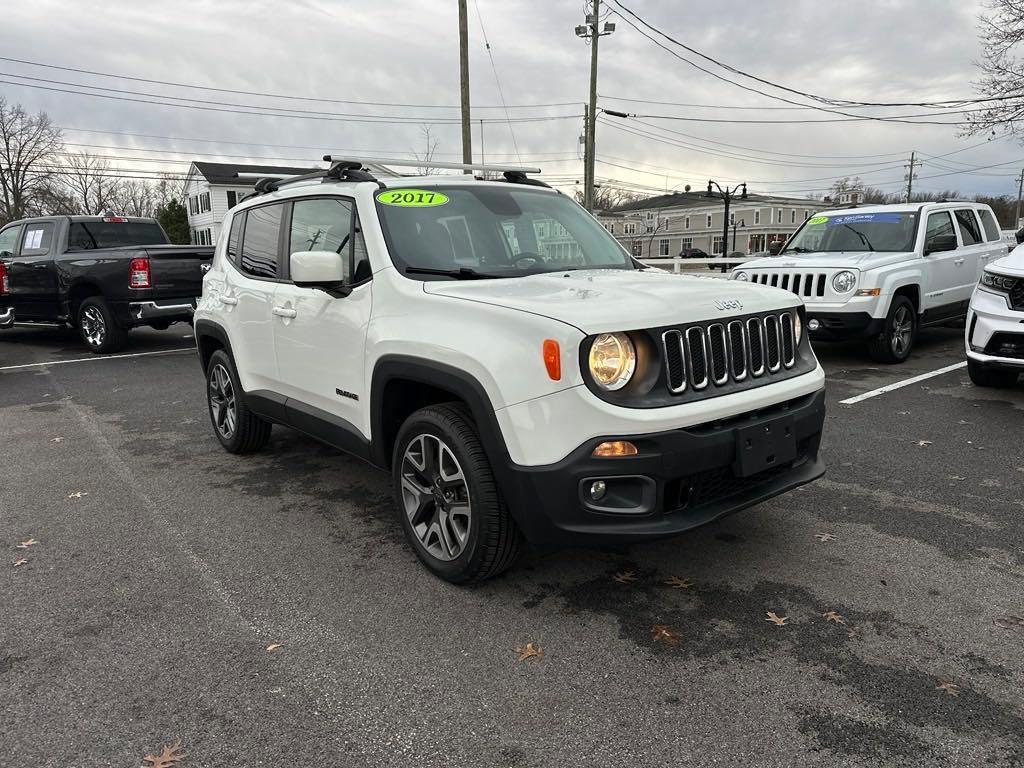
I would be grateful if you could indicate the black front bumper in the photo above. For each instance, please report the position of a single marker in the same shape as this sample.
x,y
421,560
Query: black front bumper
x,y
843,325
679,480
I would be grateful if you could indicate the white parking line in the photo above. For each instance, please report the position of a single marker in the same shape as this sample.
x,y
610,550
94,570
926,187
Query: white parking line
x,y
901,384
95,358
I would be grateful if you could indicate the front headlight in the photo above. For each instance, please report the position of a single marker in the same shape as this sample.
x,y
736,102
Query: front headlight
x,y
740,276
798,327
843,282
998,282
612,360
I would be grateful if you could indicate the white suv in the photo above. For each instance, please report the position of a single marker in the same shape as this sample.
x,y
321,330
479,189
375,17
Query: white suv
x,y
995,323
882,272
496,350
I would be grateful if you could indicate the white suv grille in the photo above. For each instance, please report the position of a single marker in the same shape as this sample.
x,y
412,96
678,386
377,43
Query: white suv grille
x,y
811,285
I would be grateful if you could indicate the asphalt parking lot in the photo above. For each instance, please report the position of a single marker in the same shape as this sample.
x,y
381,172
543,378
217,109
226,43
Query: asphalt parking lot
x,y
165,569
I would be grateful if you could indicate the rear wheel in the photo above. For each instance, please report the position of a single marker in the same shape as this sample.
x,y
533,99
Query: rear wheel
x,y
897,338
990,377
98,328
449,503
238,429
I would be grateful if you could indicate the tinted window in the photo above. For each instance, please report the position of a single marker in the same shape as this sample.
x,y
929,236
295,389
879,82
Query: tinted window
x,y
885,231
37,239
232,198
360,260
990,224
234,237
939,224
9,240
968,226
259,245
86,235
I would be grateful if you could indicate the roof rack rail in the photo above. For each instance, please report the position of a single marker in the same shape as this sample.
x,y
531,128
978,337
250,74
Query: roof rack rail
x,y
414,163
342,171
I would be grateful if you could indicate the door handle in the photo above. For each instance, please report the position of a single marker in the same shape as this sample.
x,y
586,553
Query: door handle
x,y
227,300
285,312
958,262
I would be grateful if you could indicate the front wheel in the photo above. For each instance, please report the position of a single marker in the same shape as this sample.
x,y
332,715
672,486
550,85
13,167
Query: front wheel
x,y
98,328
990,377
897,338
450,507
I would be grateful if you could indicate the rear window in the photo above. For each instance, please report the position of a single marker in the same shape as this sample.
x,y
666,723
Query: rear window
x,y
991,225
235,237
88,235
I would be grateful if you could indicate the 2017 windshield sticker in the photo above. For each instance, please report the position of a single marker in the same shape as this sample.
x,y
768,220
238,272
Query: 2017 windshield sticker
x,y
818,220
411,198
861,218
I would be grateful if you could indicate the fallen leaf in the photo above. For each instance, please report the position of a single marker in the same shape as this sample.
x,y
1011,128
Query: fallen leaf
x,y
825,536
19,563
528,651
273,647
779,621
677,583
833,616
951,689
170,755
1009,622
57,440
660,633
923,443
962,422
27,543
78,494
625,577
851,632
902,413
958,478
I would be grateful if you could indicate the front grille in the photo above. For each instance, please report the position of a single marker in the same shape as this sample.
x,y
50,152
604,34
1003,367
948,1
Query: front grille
x,y
1017,295
722,353
806,284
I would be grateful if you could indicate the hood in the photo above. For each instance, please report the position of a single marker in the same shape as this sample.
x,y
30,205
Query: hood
x,y
1012,264
598,301
862,260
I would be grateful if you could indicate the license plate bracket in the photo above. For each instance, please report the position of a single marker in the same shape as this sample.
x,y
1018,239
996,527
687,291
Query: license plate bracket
x,y
764,446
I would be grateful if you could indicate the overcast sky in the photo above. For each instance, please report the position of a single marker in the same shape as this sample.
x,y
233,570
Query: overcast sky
x,y
406,52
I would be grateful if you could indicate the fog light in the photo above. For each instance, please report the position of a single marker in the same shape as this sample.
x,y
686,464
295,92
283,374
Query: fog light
x,y
813,325
615,448
597,490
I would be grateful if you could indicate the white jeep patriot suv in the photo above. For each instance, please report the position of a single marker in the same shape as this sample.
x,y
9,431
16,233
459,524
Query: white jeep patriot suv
x,y
491,346
880,273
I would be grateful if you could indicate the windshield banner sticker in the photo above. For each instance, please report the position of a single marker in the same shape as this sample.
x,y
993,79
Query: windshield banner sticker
x,y
818,220
411,198
862,218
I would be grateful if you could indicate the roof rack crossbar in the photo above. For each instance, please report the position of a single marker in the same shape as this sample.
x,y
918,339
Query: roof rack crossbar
x,y
344,171
414,163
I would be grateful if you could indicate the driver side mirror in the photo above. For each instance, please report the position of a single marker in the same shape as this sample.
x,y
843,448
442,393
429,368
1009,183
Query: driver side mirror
x,y
774,248
319,269
940,243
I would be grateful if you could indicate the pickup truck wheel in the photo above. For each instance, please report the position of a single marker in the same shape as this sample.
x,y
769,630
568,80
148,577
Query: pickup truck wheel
x,y
897,338
449,503
238,429
990,377
98,328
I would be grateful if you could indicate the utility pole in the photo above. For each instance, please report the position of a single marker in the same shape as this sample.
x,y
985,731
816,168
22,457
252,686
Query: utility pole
x,y
911,175
482,160
467,135
1020,190
592,32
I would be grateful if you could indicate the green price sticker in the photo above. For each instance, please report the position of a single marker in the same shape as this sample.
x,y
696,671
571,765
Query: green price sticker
x,y
411,198
818,220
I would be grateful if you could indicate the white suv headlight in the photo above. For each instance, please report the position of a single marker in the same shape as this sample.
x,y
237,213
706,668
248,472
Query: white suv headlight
x,y
740,276
998,282
612,360
843,282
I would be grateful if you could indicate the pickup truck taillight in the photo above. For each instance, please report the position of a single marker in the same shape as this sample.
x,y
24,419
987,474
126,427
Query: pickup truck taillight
x,y
4,285
138,274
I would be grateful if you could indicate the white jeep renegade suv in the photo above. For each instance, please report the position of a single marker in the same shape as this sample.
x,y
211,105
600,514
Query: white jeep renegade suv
x,y
495,349
881,272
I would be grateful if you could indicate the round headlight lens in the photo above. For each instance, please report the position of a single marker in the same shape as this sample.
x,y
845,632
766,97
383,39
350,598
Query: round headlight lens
x,y
798,327
741,276
843,282
612,360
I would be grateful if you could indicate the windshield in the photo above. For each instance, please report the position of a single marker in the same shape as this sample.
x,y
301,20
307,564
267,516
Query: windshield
x,y
491,231
855,232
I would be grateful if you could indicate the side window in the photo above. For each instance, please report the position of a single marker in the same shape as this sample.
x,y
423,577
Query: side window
x,y
360,259
321,224
37,239
991,225
968,224
259,246
9,240
235,237
939,224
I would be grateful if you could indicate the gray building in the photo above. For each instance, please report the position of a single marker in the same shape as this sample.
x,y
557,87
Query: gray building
x,y
665,225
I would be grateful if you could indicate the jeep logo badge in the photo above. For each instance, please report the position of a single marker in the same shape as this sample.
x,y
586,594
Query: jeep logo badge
x,y
724,304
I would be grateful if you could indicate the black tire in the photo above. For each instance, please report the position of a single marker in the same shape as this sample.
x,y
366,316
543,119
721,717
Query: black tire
x,y
982,376
895,342
98,327
248,432
492,540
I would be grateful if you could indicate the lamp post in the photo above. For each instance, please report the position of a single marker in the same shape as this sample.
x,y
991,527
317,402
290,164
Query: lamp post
x,y
727,196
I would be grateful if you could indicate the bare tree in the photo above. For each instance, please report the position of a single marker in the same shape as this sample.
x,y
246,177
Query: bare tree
x,y
429,148
134,197
1001,31
609,198
90,183
27,147
169,187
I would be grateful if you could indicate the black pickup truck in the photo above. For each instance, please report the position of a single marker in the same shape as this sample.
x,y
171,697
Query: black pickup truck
x,y
100,274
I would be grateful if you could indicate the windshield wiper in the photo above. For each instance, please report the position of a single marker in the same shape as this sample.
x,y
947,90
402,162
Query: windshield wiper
x,y
462,273
862,236
796,249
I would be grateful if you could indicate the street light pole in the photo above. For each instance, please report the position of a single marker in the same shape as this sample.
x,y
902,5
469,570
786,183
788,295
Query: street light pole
x,y
727,196
591,31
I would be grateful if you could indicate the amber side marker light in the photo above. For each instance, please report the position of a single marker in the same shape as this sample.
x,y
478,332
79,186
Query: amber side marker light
x,y
552,359
869,292
614,448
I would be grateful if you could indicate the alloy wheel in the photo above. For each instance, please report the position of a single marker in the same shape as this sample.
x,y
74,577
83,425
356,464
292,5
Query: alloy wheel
x,y
94,327
222,402
902,328
436,497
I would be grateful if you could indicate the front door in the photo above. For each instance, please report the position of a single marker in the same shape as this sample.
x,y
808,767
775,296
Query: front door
x,y
321,339
32,278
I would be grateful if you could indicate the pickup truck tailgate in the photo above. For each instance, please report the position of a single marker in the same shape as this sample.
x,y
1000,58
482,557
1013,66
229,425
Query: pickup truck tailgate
x,y
177,270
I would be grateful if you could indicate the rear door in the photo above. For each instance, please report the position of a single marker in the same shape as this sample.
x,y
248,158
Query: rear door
x,y
944,270
31,274
995,247
972,248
